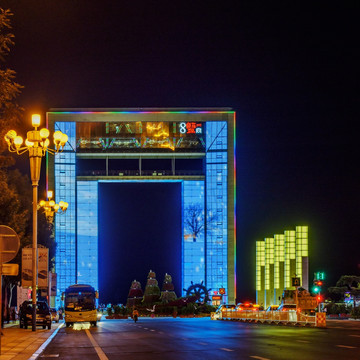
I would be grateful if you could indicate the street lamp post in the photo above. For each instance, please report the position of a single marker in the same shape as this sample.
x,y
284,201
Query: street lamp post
x,y
36,143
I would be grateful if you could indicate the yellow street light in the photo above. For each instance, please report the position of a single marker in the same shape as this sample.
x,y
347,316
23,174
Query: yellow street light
x,y
51,208
36,144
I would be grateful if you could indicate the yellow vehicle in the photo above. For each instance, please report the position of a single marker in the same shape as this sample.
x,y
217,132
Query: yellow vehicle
x,y
80,304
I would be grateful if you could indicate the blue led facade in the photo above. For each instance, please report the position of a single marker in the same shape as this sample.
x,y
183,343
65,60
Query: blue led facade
x,y
216,203
193,241
65,224
87,233
208,244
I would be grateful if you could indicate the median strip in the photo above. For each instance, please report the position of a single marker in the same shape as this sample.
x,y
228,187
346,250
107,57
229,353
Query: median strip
x,y
96,346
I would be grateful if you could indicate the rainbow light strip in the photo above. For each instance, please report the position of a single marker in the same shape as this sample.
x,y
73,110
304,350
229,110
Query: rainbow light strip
x,y
235,205
169,112
146,112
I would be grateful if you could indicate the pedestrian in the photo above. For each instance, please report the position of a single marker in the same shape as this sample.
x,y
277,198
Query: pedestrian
x,y
135,315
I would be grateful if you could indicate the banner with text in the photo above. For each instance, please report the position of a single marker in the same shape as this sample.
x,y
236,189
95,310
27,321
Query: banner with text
x,y
43,265
26,267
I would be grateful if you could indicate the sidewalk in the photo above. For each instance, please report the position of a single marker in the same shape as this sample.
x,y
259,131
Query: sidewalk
x,y
21,344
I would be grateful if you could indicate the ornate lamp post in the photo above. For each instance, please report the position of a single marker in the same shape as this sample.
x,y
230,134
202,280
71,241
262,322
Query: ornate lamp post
x,y
51,208
36,144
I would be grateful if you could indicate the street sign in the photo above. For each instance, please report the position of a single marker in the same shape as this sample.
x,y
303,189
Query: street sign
x,y
222,291
9,243
320,275
295,281
10,269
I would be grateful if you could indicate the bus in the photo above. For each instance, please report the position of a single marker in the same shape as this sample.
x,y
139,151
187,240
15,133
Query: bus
x,y
80,304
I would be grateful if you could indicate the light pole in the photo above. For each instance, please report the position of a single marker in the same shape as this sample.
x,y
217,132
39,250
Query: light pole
x,y
51,208
36,143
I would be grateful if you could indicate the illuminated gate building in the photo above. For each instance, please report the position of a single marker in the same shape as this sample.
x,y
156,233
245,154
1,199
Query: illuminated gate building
x,y
278,260
203,138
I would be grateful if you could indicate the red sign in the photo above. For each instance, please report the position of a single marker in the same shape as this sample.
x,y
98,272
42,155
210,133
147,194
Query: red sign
x,y
217,297
222,291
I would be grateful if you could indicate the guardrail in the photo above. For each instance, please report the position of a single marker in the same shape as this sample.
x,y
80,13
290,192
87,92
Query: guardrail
x,y
272,317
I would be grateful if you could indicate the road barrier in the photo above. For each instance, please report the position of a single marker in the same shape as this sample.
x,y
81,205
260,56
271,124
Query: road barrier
x,y
320,320
272,317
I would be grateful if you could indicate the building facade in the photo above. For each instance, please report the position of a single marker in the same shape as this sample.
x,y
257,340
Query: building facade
x,y
117,145
278,260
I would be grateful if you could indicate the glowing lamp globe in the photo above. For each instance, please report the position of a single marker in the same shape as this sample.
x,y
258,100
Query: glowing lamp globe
x,y
35,120
29,143
18,141
57,137
44,133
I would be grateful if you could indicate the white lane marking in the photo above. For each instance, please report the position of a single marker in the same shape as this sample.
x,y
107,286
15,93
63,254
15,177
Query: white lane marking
x,y
51,356
161,332
347,347
202,343
225,349
355,335
146,328
45,344
303,341
259,357
96,346
152,330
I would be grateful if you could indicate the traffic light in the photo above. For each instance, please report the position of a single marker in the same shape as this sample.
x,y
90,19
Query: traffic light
x,y
319,298
317,286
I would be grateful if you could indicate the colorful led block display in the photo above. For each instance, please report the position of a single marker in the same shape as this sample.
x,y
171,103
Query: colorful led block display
x,y
278,260
208,191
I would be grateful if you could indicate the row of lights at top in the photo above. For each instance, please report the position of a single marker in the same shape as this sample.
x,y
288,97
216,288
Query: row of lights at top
x,y
35,138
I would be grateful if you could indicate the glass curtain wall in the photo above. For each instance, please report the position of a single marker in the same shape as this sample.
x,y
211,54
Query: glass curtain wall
x,y
216,205
65,224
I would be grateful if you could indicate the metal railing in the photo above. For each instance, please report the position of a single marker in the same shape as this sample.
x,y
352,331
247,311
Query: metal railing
x,y
121,173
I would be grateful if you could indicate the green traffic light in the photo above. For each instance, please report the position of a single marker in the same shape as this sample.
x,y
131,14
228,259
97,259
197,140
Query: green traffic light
x,y
316,289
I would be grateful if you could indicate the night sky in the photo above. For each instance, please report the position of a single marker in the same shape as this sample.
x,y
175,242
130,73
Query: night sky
x,y
290,72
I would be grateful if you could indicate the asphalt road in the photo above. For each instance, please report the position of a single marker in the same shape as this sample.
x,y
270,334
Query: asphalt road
x,y
168,338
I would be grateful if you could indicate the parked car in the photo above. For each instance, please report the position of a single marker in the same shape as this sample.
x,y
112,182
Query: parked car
x,y
287,307
272,308
54,315
225,307
43,316
220,309
247,306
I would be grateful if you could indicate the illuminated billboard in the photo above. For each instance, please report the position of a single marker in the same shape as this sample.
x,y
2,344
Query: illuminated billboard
x,y
141,136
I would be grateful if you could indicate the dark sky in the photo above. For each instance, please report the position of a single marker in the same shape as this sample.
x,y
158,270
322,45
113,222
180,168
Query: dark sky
x,y
290,72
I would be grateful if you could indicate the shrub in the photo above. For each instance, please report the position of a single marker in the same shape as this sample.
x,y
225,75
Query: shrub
x,y
355,313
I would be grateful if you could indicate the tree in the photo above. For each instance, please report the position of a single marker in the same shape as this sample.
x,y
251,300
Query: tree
x,y
195,221
347,284
10,111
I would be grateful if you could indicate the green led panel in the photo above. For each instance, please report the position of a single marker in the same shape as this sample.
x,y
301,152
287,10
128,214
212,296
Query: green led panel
x,y
269,259
279,256
260,261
